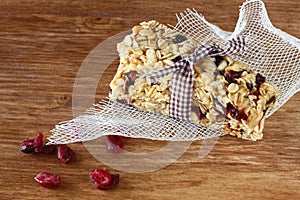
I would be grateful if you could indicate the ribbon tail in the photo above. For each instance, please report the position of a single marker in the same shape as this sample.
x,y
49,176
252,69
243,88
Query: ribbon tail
x,y
182,93
236,46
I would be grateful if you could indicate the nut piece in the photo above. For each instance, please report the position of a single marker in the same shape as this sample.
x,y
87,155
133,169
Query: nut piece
x,y
151,55
233,88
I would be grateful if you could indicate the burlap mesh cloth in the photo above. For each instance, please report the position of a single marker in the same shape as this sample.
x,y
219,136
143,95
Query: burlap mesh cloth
x,y
270,51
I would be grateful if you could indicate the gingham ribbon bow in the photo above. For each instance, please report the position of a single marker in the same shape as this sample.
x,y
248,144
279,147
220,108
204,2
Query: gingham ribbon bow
x,y
183,78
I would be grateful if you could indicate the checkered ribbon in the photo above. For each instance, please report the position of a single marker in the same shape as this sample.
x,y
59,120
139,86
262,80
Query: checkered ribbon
x,y
183,78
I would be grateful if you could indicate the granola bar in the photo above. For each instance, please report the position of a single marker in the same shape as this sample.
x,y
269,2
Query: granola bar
x,y
227,94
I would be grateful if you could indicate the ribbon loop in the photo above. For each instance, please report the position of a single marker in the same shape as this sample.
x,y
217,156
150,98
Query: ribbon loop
x,y
183,78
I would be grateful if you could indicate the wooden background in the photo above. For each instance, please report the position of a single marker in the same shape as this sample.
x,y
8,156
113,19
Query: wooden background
x,y
42,45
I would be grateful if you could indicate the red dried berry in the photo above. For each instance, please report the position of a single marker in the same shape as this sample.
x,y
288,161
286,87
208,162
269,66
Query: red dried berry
x,y
65,153
131,77
155,83
113,183
232,75
48,149
32,145
256,93
115,143
27,146
271,100
259,79
242,116
38,141
100,178
179,38
47,180
235,113
249,86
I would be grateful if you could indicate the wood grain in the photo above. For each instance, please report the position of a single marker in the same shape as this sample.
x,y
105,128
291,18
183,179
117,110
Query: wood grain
x,y
42,45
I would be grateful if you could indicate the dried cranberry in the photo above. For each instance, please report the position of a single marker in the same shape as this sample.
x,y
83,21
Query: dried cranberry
x,y
249,86
113,183
115,143
260,79
242,116
27,146
230,109
131,77
256,93
100,178
32,145
155,83
65,153
231,75
47,180
179,38
228,126
48,149
271,100
176,59
38,141
235,113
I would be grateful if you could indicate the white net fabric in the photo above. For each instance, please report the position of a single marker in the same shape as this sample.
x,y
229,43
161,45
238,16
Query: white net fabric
x,y
270,52
110,117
